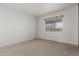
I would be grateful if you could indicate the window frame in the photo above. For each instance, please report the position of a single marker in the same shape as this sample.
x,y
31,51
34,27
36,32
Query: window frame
x,y
54,20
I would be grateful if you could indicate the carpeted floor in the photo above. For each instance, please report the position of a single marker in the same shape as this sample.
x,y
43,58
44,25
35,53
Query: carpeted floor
x,y
39,48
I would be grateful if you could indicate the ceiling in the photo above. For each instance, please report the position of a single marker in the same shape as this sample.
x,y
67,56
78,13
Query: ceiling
x,y
38,9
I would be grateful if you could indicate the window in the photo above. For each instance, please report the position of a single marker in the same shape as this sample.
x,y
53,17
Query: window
x,y
54,24
59,26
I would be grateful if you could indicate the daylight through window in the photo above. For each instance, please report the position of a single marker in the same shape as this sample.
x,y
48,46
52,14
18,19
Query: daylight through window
x,y
54,23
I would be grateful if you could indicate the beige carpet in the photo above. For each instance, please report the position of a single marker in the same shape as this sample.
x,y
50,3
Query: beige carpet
x,y
39,48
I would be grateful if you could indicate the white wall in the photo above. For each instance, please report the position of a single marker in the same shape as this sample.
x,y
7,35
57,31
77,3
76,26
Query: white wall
x,y
78,24
16,26
70,30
